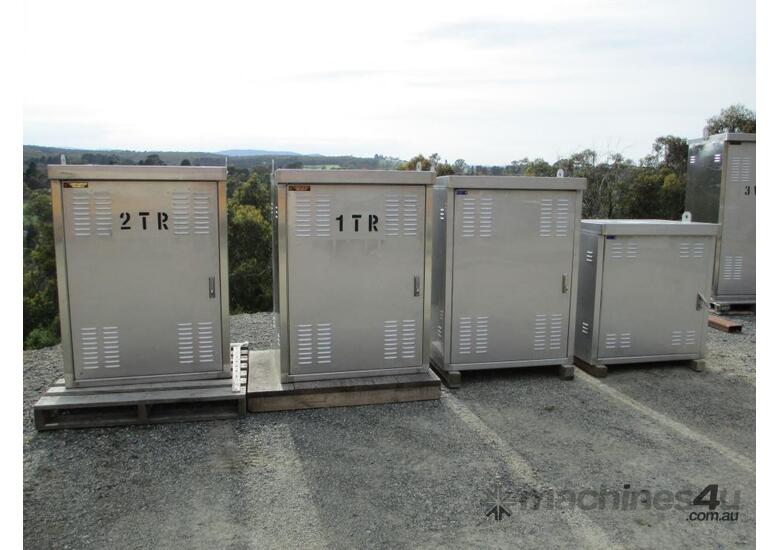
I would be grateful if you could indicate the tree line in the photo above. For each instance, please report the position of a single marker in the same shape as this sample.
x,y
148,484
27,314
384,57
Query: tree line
x,y
653,187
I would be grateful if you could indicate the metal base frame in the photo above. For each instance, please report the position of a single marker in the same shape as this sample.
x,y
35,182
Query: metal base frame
x,y
599,369
508,364
722,304
130,380
451,375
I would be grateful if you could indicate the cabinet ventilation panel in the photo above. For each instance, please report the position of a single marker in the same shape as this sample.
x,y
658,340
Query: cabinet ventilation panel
x,y
191,213
92,213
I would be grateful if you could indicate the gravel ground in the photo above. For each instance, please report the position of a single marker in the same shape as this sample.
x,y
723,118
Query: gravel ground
x,y
413,474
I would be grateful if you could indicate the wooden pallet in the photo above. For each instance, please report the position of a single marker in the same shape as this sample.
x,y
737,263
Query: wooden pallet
x,y
266,392
601,371
724,324
149,403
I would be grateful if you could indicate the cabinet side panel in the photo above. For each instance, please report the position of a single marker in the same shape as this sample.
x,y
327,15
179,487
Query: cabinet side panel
x,y
702,192
589,264
62,282
439,276
275,259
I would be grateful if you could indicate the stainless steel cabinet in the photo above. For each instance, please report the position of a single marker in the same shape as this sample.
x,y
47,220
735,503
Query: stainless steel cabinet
x,y
722,189
642,290
352,269
141,264
504,271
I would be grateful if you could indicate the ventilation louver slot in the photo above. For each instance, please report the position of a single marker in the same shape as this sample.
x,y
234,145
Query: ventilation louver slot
x,y
677,338
680,338
585,329
185,343
90,357
401,214
465,326
303,215
324,344
322,215
554,217
400,339
110,347
104,216
589,256
696,250
625,340
312,219
732,268
206,342
469,222
481,336
304,343
486,216
392,215
191,213
628,250
562,218
180,210
548,332
391,340
82,219
196,342
99,347
410,215
408,338
546,218
200,213
556,332
741,170
540,332
617,340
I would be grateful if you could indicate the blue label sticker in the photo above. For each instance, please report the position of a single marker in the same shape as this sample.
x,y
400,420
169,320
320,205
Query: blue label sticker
x,y
610,237
461,192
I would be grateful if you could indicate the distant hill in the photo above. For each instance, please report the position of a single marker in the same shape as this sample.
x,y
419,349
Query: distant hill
x,y
258,153
246,159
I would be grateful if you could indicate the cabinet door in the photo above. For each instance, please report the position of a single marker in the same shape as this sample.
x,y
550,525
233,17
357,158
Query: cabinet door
x,y
737,273
512,264
356,258
143,278
650,287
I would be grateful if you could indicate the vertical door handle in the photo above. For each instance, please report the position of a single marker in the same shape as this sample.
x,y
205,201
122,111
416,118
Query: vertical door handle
x,y
212,287
700,301
416,286
564,284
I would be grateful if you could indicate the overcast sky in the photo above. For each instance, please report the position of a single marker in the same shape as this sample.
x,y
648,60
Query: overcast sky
x,y
490,82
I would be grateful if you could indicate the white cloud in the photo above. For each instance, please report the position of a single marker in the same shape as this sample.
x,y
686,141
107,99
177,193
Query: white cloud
x,y
488,83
